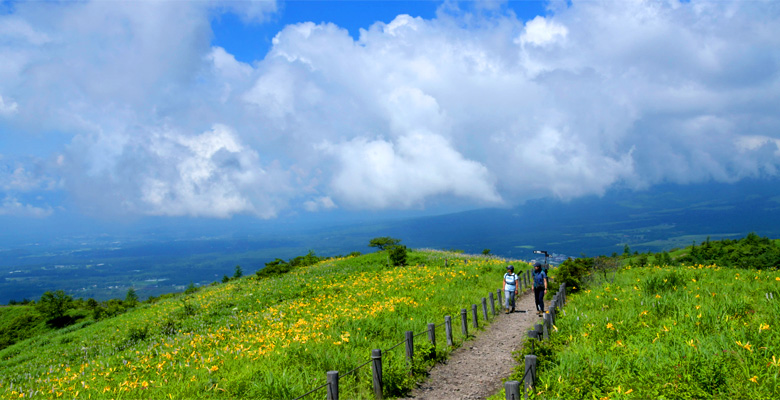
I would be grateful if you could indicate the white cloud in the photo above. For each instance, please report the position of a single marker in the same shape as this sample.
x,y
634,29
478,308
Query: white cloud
x,y
8,107
13,207
377,174
319,204
25,175
540,32
482,107
171,173
249,10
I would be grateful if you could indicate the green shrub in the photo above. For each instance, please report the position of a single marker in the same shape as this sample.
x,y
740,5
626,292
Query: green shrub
x,y
397,255
137,334
572,271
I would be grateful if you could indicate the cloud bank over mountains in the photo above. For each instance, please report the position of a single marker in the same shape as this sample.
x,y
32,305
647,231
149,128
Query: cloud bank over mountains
x,y
142,115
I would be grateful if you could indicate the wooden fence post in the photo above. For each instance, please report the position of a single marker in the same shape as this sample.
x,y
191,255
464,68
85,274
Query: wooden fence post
x,y
525,280
464,325
376,372
410,347
552,315
545,327
500,297
448,330
484,308
512,389
530,372
492,303
563,290
333,385
432,335
539,331
475,319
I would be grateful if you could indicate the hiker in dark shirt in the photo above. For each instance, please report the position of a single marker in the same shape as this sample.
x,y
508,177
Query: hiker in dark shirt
x,y
540,288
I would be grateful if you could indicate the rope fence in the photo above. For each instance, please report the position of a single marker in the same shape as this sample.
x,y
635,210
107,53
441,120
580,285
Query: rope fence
x,y
333,377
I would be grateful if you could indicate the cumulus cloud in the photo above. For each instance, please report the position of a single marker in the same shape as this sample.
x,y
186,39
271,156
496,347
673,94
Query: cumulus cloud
x,y
483,108
7,107
12,206
540,32
171,173
379,174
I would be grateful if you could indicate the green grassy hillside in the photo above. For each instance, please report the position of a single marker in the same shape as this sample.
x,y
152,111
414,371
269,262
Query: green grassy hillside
x,y
682,332
20,322
260,338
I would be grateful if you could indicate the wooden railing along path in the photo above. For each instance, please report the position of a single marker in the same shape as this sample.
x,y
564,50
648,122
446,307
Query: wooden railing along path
x,y
541,332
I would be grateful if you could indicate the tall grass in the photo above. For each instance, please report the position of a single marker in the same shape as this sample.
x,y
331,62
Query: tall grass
x,y
673,332
269,338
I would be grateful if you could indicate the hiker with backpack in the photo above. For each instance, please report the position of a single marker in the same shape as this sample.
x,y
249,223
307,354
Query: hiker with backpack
x,y
510,289
540,287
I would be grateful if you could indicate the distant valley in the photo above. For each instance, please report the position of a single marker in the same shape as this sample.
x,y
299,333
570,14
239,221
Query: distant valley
x,y
105,266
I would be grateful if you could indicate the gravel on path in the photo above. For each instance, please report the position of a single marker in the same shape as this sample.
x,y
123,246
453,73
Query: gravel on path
x,y
475,370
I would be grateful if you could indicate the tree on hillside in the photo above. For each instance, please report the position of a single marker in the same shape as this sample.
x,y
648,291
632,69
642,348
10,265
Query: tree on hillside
x,y
751,251
383,242
53,305
239,272
131,299
397,255
573,272
191,288
486,252
605,266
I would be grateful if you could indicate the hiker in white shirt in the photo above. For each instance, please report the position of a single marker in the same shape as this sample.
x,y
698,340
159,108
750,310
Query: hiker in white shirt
x,y
510,289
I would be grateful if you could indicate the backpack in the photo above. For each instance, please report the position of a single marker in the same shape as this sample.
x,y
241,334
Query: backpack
x,y
539,278
513,276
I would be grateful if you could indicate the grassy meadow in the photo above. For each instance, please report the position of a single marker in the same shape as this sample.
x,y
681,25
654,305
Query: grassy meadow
x,y
688,332
260,338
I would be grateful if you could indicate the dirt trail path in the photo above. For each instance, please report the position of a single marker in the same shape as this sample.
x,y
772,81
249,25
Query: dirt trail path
x,y
475,370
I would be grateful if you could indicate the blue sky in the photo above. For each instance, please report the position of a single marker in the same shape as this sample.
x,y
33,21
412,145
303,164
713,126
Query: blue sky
x,y
231,32
217,110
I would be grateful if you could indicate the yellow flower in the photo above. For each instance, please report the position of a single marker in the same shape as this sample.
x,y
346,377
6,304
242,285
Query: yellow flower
x,y
754,379
774,363
658,296
763,327
610,326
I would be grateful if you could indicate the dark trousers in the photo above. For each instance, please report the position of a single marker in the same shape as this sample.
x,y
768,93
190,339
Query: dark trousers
x,y
539,296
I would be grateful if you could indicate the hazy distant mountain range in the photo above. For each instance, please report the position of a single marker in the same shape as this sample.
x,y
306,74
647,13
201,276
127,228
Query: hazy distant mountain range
x,y
662,218
157,259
